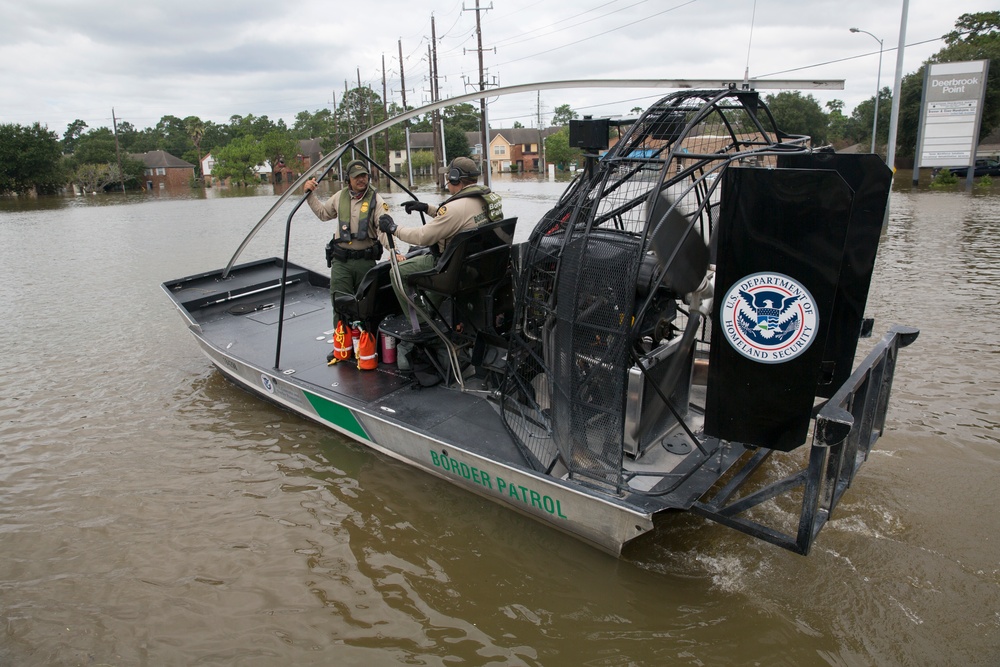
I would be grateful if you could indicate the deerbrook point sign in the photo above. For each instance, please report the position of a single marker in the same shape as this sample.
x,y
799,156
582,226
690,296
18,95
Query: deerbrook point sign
x,y
950,113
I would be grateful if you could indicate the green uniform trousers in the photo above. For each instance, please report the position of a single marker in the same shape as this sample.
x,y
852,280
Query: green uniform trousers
x,y
345,276
415,265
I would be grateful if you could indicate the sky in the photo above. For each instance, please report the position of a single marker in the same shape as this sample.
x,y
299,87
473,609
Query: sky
x,y
65,60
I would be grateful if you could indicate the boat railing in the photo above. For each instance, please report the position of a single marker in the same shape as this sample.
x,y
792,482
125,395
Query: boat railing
x,y
846,428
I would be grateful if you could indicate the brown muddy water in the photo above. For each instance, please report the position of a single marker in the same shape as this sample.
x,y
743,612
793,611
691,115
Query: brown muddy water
x,y
153,514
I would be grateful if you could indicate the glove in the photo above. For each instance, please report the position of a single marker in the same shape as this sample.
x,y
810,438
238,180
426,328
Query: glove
x,y
411,206
387,225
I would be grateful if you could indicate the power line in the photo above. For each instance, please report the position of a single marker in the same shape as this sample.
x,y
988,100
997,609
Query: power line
x,y
840,60
600,34
517,39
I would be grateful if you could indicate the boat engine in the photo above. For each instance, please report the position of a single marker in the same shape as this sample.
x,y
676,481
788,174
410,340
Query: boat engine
x,y
663,259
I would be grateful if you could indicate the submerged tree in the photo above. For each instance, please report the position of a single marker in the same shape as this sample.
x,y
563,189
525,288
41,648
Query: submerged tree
x,y
558,151
29,159
239,159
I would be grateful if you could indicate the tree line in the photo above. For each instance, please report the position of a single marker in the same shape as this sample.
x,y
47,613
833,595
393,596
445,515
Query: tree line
x,y
34,158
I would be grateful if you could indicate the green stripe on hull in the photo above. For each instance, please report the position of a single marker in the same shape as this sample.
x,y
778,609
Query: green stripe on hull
x,y
337,414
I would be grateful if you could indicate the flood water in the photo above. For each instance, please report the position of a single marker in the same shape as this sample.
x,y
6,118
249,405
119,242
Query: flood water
x,y
153,514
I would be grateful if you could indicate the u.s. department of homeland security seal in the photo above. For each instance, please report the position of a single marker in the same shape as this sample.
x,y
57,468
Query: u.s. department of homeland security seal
x,y
769,318
267,383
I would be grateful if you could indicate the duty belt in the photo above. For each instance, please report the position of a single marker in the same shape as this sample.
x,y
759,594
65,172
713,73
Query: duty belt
x,y
337,251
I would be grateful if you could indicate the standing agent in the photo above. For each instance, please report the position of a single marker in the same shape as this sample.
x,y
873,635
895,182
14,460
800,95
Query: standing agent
x,y
356,244
469,206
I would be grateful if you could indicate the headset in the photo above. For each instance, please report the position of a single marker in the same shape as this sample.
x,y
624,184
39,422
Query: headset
x,y
455,175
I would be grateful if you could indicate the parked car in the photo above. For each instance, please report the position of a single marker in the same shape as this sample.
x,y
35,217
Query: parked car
x,y
984,167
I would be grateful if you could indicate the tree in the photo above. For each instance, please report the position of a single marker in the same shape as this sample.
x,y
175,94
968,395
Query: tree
x,y
73,132
864,114
196,132
423,124
215,136
796,113
840,128
95,147
96,177
558,151
29,159
422,161
563,115
518,124
249,125
359,109
313,125
172,136
279,147
128,137
456,144
463,116
397,133
238,160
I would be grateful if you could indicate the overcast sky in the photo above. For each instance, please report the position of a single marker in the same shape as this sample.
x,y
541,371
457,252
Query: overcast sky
x,y
64,59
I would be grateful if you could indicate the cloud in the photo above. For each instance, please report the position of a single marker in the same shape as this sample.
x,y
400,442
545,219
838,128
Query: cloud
x,y
215,59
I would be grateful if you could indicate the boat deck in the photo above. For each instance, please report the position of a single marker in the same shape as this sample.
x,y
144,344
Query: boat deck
x,y
242,320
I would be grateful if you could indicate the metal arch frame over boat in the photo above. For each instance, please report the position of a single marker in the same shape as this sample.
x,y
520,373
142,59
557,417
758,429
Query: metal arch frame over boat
x,y
689,307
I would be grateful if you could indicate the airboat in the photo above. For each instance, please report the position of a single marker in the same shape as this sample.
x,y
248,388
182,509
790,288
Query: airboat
x,y
688,309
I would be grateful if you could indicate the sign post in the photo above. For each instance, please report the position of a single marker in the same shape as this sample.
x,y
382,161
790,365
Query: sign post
x,y
950,115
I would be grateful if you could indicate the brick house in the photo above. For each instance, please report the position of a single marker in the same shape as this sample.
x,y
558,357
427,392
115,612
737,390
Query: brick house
x,y
518,148
163,170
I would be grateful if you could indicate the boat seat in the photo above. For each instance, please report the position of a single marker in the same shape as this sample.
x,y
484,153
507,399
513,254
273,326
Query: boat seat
x,y
373,301
474,261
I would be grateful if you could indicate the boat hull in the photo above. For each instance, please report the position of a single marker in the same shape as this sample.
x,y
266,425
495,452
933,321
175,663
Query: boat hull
x,y
587,516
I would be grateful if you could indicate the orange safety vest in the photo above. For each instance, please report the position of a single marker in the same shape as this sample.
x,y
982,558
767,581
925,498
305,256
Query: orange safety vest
x,y
343,348
367,356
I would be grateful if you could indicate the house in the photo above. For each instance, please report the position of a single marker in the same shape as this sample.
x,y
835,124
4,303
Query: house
x,y
511,149
519,148
424,141
310,152
499,152
163,170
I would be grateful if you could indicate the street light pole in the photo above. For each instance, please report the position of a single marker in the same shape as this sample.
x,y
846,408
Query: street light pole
x,y
878,82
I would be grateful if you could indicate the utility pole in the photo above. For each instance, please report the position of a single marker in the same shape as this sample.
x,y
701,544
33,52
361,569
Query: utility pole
x,y
541,153
336,136
362,105
484,125
436,128
385,114
118,155
406,123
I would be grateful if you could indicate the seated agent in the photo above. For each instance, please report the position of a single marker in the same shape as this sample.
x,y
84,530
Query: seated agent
x,y
357,243
469,206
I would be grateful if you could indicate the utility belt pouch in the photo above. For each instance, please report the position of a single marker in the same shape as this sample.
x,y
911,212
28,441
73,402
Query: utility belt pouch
x,y
335,251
